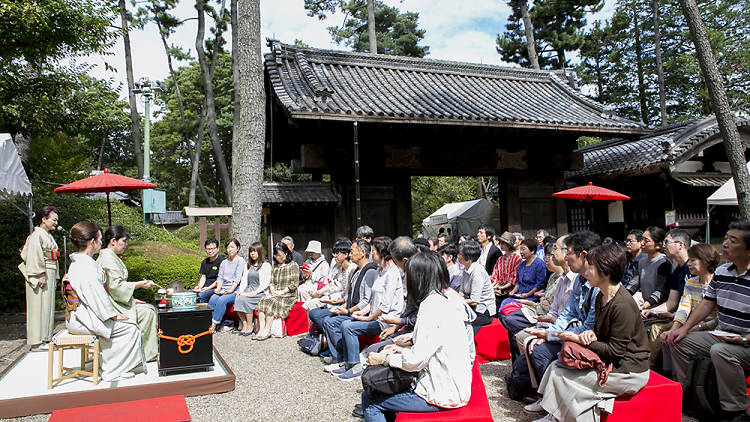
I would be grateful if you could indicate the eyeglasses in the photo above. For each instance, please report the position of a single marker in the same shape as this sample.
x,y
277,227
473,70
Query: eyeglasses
x,y
631,241
569,253
211,248
670,241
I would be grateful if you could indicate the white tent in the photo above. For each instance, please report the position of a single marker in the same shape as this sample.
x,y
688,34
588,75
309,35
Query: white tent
x,y
13,178
725,195
461,217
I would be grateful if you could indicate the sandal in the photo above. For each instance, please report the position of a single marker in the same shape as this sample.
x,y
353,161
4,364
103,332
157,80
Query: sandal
x,y
263,338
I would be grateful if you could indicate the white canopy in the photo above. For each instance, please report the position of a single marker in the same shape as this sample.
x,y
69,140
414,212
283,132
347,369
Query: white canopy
x,y
725,195
13,179
461,217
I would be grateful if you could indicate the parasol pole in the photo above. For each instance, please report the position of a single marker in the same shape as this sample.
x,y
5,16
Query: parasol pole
x,y
109,211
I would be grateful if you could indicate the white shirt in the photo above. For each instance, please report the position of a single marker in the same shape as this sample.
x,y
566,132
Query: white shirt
x,y
483,257
388,294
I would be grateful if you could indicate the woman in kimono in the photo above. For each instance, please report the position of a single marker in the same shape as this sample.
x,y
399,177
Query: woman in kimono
x,y
121,290
39,268
119,336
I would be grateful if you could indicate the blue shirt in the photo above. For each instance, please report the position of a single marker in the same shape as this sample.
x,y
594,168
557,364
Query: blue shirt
x,y
456,274
530,277
631,267
539,252
580,307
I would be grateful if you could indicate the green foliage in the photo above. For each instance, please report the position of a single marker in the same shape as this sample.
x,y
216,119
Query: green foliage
x,y
397,33
282,172
14,227
558,27
163,271
430,193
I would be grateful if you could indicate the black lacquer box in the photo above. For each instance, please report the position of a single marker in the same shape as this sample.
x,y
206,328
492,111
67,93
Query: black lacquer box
x,y
185,342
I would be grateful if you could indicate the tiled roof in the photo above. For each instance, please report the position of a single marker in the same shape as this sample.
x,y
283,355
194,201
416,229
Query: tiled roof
x,y
337,85
298,193
664,146
702,179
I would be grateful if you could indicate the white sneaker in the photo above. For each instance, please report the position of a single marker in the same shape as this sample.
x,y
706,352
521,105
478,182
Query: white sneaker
x,y
535,407
41,347
547,418
327,360
331,367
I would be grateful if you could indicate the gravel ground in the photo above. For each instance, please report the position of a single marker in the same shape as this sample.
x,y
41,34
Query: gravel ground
x,y
276,382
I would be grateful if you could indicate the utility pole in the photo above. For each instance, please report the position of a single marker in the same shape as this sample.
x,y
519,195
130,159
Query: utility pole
x,y
145,87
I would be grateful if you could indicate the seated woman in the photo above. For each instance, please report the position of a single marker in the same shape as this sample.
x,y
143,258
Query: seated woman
x,y
477,286
386,301
440,349
532,274
331,292
121,290
254,285
283,291
618,338
702,261
119,336
230,275
651,287
505,273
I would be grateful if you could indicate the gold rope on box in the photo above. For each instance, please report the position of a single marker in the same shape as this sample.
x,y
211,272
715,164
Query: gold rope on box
x,y
184,340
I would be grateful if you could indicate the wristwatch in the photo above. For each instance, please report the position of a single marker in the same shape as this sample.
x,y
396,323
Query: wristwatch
x,y
745,342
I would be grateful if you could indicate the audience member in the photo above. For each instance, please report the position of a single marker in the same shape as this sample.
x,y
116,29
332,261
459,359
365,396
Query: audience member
x,y
230,275
209,270
254,286
728,292
519,238
314,271
443,239
455,273
570,394
282,291
441,347
541,234
422,244
531,275
505,273
330,290
477,286
296,256
489,252
634,255
365,232
651,287
433,242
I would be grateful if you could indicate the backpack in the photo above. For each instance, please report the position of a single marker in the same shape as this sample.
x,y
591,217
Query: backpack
x,y
311,344
701,398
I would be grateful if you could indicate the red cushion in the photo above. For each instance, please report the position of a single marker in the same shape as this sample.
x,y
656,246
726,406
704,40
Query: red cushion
x,y
477,410
659,393
491,342
230,314
365,341
160,409
296,322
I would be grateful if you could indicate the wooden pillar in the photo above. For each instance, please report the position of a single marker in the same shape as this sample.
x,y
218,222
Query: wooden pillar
x,y
513,202
561,210
203,229
357,197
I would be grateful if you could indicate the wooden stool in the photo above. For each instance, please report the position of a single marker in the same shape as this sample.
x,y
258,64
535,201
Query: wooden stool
x,y
84,343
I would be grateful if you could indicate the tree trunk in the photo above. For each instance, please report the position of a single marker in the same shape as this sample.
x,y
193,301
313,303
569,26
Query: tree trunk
x,y
194,174
134,119
181,105
639,63
728,128
250,128
528,27
101,152
371,26
659,66
23,147
561,57
213,131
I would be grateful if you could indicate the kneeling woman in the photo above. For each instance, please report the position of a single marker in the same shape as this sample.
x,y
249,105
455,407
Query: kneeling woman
x,y
119,336
618,338
121,290
440,349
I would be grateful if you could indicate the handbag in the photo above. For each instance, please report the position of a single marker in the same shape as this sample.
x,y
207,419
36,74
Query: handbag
x,y
381,379
278,328
311,344
575,356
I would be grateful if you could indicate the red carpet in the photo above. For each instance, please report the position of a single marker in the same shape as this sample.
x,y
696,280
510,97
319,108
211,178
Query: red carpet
x,y
160,409
492,342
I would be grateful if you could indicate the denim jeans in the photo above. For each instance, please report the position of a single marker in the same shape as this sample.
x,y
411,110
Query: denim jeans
x,y
332,329
204,297
377,406
220,303
351,330
318,316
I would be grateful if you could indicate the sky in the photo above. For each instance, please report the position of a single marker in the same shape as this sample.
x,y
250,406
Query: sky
x,y
455,30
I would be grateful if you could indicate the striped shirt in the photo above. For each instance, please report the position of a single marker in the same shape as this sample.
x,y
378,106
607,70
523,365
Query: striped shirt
x,y
506,269
731,292
691,297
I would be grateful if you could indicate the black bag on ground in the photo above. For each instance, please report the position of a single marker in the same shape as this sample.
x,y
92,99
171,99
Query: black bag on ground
x,y
311,344
701,398
381,379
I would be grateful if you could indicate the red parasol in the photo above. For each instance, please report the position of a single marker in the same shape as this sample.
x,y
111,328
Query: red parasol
x,y
106,182
590,193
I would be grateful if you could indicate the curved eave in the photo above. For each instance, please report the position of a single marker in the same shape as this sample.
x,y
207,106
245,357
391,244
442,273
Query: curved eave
x,y
553,126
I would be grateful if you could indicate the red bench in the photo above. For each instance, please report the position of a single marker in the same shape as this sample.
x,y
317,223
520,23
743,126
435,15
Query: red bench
x,y
491,342
659,401
477,410
296,321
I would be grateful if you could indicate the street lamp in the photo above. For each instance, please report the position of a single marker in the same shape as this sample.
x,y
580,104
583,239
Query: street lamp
x,y
147,88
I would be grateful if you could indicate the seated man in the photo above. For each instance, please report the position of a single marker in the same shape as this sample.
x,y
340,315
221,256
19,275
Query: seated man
x,y
314,268
728,292
209,270
577,317
531,313
659,318
634,256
